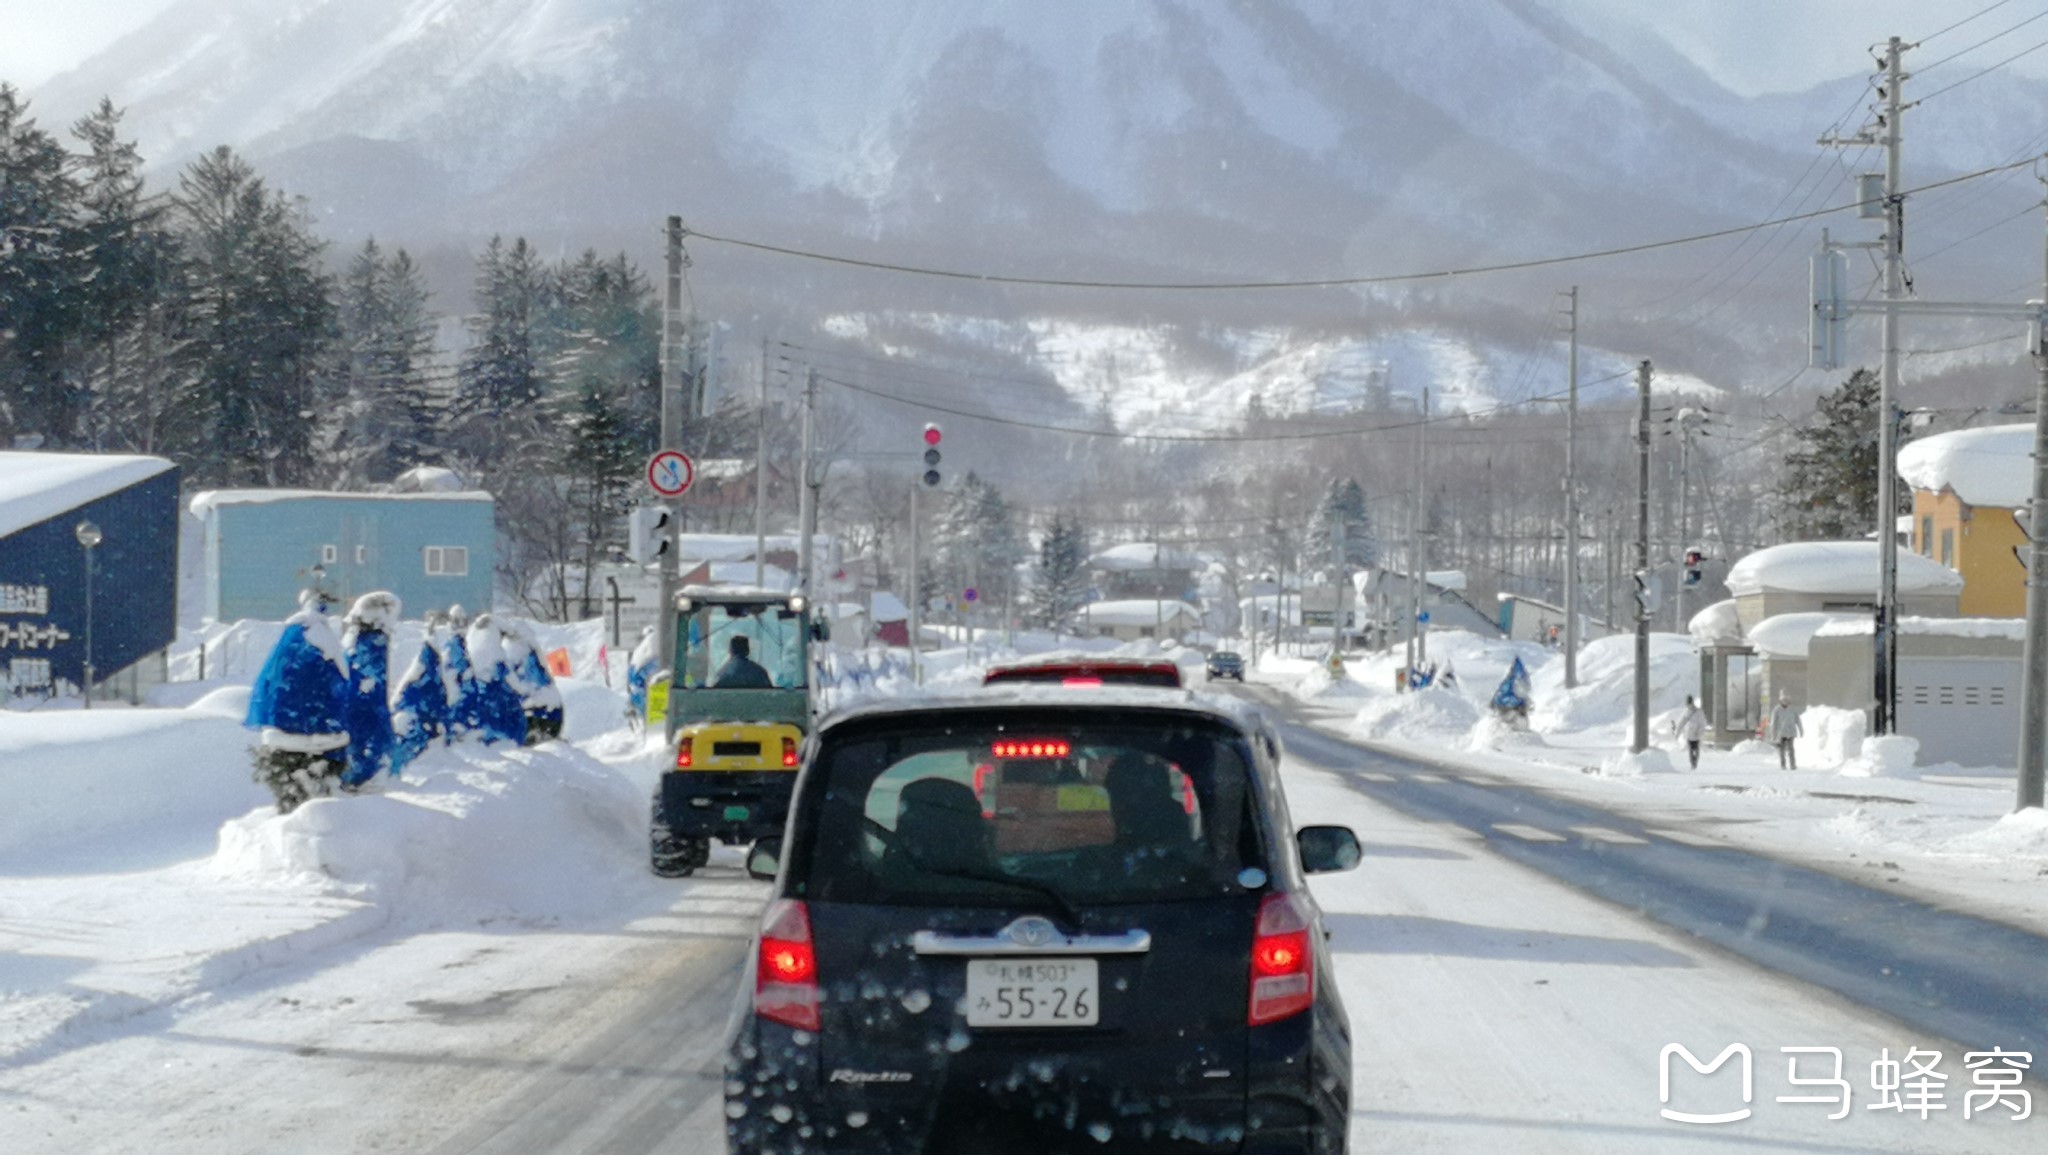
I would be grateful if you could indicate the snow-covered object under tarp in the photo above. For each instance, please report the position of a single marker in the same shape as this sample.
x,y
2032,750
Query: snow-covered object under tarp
x,y
458,682
296,700
640,669
491,704
366,704
420,714
1512,696
1834,567
1992,466
539,698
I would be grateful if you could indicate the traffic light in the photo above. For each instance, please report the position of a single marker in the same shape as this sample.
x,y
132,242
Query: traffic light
x,y
932,437
1693,558
1648,597
647,533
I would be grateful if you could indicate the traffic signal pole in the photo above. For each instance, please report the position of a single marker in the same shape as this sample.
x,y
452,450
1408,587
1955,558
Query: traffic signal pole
x,y
2033,754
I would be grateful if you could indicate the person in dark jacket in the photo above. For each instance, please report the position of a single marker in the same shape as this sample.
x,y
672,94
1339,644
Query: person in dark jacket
x,y
741,671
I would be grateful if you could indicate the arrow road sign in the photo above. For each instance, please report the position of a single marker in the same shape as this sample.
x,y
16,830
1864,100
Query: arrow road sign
x,y
670,472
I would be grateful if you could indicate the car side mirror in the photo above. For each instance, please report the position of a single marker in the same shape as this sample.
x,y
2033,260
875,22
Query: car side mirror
x,y
1327,849
766,855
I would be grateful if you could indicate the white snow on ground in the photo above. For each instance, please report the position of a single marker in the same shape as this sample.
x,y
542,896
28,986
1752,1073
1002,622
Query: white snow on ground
x,y
1855,806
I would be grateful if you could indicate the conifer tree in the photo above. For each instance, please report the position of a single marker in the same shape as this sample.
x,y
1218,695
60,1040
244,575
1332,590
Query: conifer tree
x,y
1061,579
37,276
1831,475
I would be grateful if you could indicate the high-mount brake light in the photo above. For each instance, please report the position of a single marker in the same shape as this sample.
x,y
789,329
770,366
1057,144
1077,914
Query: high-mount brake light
x,y
685,757
786,973
788,750
1080,680
1283,963
1035,748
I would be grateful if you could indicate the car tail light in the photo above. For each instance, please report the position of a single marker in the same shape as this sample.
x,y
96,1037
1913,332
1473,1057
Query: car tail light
x,y
788,750
786,974
1079,680
684,757
1283,963
1032,748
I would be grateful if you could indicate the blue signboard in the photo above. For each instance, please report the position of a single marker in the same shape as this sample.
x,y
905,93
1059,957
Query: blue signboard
x,y
49,615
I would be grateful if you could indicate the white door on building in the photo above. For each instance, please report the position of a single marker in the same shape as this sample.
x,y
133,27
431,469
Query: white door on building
x,y
1963,710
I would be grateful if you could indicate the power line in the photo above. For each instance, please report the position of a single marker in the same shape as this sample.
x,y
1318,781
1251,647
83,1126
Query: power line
x,y
1986,11
1978,75
1981,43
1325,282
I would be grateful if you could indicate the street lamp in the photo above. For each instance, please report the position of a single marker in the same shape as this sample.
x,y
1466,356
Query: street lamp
x,y
89,537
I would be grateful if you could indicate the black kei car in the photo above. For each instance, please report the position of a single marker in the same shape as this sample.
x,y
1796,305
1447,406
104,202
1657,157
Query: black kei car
x,y
1226,664
1056,920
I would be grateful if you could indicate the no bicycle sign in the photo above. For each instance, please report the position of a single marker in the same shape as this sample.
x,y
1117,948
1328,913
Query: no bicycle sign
x,y
670,472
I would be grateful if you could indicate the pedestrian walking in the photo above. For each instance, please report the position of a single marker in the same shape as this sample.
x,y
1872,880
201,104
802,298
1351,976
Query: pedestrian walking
x,y
1782,729
1689,727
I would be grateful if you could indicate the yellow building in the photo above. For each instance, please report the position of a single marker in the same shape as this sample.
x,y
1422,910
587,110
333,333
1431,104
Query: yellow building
x,y
1966,485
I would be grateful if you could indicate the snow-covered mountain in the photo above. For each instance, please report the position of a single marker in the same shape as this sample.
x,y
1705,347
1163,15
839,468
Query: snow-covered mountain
x,y
1173,138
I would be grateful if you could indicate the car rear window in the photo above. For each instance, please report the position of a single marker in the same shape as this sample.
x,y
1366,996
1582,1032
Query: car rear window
x,y
1116,675
1008,814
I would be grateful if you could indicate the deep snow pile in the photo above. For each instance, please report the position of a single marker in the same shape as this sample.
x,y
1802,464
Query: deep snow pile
x,y
468,834
1606,689
1422,716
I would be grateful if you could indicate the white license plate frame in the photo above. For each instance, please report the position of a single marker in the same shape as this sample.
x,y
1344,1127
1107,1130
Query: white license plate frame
x,y
1009,993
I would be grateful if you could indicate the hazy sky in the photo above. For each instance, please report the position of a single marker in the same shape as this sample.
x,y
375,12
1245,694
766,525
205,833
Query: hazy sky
x,y
1749,45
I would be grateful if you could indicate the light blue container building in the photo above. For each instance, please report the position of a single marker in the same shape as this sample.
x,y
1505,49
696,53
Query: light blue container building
x,y
262,546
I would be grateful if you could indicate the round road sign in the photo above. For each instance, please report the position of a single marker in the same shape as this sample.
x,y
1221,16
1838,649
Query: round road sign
x,y
670,472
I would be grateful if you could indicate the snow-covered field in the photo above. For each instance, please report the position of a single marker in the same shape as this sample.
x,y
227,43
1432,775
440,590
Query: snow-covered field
x,y
1945,832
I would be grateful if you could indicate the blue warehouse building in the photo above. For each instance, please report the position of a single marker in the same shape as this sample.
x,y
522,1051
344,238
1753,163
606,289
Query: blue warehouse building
x,y
262,546
53,623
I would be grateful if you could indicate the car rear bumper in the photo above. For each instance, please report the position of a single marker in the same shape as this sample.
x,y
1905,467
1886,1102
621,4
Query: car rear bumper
x,y
730,806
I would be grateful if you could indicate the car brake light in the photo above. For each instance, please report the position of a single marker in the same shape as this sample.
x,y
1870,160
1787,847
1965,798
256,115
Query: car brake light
x,y
1187,792
1283,963
786,974
683,756
788,750
1035,748
1080,681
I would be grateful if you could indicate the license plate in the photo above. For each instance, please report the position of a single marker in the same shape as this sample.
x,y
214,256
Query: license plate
x,y
1034,993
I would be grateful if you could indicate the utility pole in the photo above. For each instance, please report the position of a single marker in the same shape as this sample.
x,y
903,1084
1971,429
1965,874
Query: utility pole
x,y
1418,638
761,476
672,405
916,598
807,489
1893,211
1640,741
2033,759
1687,420
1571,503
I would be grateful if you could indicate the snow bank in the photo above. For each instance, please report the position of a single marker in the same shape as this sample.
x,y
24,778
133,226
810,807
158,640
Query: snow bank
x,y
1606,690
2021,834
1423,716
108,789
1882,756
1625,765
470,835
1830,736
1319,685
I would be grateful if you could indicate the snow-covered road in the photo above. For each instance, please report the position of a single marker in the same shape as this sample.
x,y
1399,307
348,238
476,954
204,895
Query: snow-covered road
x,y
1493,1003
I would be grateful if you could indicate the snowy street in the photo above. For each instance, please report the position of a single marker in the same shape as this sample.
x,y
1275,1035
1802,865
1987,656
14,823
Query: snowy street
x,y
1503,987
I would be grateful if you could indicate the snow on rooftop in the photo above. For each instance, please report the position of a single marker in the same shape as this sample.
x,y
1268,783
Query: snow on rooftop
x,y
35,487
1860,624
1991,466
1446,579
1142,555
1790,635
1716,623
888,607
204,503
1834,567
1136,612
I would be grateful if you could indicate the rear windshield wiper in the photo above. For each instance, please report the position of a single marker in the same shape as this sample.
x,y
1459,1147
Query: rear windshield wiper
x,y
1045,890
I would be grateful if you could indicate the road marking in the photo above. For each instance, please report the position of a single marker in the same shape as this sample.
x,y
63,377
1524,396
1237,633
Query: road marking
x,y
1375,776
1602,834
1527,833
1422,777
1681,836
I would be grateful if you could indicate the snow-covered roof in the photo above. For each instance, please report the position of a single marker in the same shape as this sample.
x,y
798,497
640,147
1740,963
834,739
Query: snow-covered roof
x,y
1860,624
1716,623
427,479
1834,567
206,502
1789,635
1143,555
1446,579
887,607
1991,466
1136,612
741,573
714,547
35,487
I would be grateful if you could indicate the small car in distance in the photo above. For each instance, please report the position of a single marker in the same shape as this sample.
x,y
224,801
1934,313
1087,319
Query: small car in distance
x,y
1226,664
1087,670
1051,922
